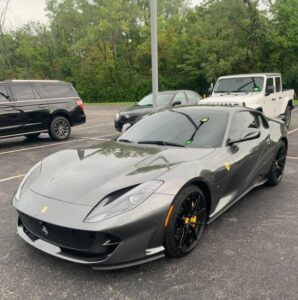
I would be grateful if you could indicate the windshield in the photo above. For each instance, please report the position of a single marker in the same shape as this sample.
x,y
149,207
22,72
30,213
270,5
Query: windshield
x,y
184,127
240,84
163,99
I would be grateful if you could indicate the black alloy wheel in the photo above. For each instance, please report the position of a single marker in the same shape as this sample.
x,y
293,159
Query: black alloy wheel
x,y
278,165
32,136
288,116
60,129
186,223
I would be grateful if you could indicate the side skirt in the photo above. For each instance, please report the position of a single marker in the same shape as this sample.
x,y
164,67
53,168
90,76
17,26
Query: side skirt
x,y
22,134
213,217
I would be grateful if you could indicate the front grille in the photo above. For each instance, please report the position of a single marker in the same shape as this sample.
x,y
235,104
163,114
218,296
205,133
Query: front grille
x,y
80,241
130,119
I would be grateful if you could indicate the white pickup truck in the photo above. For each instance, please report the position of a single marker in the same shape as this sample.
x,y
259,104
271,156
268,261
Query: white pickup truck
x,y
263,92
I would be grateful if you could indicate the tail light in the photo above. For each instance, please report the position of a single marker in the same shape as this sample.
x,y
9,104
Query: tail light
x,y
80,104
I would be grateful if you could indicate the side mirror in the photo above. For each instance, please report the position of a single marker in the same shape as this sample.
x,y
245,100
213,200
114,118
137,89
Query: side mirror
x,y
269,90
210,90
175,103
246,136
125,127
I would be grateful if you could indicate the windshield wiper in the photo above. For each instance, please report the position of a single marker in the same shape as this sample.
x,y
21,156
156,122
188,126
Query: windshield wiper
x,y
125,141
162,143
203,121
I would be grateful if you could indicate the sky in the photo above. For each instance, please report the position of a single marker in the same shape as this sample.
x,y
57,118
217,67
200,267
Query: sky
x,y
21,12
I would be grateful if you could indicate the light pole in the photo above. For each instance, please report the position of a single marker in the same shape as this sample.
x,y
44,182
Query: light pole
x,y
154,51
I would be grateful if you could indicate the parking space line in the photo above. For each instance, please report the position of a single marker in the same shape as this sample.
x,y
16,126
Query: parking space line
x,y
292,131
38,147
11,178
291,157
96,126
54,144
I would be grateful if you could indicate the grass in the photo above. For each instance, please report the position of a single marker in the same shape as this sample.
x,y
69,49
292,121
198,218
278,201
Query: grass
x,y
296,102
110,103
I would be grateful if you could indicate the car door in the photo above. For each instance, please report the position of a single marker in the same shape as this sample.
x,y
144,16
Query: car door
x,y
248,159
270,98
10,117
279,97
35,111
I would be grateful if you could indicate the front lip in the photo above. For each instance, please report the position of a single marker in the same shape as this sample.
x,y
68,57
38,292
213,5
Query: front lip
x,y
96,264
140,231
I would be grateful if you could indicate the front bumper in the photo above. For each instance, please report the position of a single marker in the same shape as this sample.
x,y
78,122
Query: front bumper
x,y
97,263
124,120
130,239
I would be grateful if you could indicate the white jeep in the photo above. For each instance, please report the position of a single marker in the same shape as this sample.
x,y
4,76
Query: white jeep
x,y
263,92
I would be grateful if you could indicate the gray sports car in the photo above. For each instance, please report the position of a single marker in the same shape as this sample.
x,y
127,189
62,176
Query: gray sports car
x,y
150,192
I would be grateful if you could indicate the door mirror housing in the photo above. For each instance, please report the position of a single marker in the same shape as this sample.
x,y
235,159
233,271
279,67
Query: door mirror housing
x,y
177,102
270,90
246,136
125,127
210,90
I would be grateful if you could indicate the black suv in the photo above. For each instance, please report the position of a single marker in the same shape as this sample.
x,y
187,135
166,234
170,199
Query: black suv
x,y
30,107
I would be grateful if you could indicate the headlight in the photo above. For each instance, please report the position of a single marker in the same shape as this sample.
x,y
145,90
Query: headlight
x,y
107,209
28,178
117,117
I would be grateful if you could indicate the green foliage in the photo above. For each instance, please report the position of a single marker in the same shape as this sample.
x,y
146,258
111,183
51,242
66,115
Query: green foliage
x,y
103,46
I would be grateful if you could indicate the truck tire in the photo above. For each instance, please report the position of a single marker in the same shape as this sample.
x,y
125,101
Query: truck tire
x,y
288,116
32,136
59,129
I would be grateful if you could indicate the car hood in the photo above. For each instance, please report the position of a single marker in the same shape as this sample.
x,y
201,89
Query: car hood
x,y
137,111
86,176
238,98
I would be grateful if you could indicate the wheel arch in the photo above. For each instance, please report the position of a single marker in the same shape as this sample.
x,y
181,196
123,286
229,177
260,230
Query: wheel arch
x,y
206,191
291,104
60,113
285,140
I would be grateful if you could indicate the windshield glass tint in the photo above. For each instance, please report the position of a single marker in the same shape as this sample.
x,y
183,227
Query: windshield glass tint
x,y
179,127
240,84
162,100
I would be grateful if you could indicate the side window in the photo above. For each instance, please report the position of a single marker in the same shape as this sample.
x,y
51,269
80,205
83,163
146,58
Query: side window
x,y
192,98
241,122
181,97
3,94
278,84
22,92
57,91
269,83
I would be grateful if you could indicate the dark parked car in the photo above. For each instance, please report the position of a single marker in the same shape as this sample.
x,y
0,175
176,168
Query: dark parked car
x,y
30,107
144,107
150,192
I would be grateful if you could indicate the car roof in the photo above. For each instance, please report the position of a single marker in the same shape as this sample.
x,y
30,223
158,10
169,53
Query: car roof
x,y
18,81
250,75
174,91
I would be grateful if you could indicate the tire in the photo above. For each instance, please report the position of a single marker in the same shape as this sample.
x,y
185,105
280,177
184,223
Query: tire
x,y
183,230
278,165
32,136
288,116
60,129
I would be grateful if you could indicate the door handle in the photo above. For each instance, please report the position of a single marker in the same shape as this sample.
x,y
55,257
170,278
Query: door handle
x,y
268,141
8,108
41,105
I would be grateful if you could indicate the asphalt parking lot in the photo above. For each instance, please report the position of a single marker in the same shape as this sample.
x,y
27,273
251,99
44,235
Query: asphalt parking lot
x,y
250,252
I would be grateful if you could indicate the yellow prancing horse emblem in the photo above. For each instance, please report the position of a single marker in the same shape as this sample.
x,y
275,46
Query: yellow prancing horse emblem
x,y
44,209
228,166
